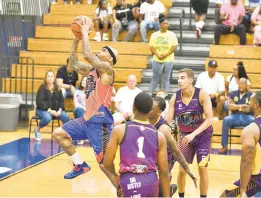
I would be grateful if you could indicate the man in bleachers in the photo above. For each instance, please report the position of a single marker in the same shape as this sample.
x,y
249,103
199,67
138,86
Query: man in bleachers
x,y
124,19
239,106
66,80
124,100
231,16
213,83
149,17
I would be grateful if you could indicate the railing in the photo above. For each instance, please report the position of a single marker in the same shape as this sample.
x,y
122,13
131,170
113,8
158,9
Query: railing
x,y
190,16
18,19
15,76
181,21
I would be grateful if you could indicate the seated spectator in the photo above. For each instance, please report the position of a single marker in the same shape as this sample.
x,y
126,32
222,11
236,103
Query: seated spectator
x,y
66,80
239,106
66,2
124,100
163,95
149,17
50,103
250,6
214,84
201,8
232,80
256,21
123,17
103,14
231,17
162,44
79,99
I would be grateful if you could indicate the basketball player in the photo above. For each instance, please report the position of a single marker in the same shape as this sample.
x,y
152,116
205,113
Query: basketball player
x,y
174,154
250,167
142,148
188,107
97,121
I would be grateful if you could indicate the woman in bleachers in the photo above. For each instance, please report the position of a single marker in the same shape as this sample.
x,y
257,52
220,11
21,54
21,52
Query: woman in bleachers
x,y
102,22
232,80
79,99
256,21
50,103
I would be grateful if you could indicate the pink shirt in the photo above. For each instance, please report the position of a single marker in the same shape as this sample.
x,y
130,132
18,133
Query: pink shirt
x,y
256,14
233,13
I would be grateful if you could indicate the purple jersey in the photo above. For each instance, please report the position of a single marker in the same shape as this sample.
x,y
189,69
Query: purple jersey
x,y
190,116
159,123
139,148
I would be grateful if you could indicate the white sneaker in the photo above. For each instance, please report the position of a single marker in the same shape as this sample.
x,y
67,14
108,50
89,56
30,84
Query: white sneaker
x,y
97,37
105,37
53,2
215,118
37,135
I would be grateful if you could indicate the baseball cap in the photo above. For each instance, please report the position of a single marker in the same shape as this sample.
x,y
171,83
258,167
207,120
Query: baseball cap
x,y
212,63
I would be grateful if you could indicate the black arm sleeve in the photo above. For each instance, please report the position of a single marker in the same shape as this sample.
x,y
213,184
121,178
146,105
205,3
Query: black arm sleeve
x,y
40,102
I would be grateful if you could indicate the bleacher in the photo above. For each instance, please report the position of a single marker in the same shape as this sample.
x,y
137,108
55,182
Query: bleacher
x,y
51,46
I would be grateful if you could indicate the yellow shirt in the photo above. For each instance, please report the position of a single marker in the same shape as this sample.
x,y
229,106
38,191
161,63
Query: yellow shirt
x,y
163,42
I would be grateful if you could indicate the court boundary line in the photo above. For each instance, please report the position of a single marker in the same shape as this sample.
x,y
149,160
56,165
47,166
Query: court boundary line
x,y
31,166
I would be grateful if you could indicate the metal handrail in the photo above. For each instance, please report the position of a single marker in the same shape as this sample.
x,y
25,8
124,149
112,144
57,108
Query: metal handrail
x,y
181,21
190,15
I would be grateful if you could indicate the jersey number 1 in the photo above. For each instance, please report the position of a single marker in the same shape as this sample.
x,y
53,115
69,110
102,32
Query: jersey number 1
x,y
140,143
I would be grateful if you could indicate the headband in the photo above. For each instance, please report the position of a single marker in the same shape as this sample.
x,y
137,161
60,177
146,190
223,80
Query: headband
x,y
112,54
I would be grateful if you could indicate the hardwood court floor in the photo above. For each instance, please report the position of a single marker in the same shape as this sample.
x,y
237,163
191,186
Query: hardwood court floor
x,y
46,179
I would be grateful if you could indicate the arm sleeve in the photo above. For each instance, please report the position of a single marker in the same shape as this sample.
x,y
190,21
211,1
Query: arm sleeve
x,y
61,100
152,40
161,8
221,86
198,82
118,96
143,8
223,9
59,73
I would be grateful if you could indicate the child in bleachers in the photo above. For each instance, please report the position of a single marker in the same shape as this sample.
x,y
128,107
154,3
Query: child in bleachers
x,y
102,23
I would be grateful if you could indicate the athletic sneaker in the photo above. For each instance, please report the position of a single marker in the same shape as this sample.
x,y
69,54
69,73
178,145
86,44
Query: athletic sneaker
x,y
37,135
105,37
173,189
78,170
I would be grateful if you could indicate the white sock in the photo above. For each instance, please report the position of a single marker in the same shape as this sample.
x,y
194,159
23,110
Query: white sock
x,y
196,24
201,24
98,34
76,159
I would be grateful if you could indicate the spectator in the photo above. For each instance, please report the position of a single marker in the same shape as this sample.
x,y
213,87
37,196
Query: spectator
x,y
150,11
256,21
239,106
103,14
79,99
231,16
201,8
232,80
66,80
163,94
250,6
162,44
213,83
123,16
50,103
217,11
124,100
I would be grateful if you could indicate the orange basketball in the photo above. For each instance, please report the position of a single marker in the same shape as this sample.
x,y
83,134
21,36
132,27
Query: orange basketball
x,y
76,29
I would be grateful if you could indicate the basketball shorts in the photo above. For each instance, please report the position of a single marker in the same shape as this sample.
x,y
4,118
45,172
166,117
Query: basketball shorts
x,y
254,186
97,133
138,185
200,146
200,6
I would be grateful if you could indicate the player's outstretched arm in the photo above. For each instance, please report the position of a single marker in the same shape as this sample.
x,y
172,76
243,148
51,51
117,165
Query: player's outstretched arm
x,y
111,150
249,139
172,144
163,165
76,65
171,109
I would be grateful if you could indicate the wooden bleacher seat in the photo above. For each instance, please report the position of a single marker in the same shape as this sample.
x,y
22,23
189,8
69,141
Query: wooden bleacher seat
x,y
60,32
235,51
55,45
233,39
56,58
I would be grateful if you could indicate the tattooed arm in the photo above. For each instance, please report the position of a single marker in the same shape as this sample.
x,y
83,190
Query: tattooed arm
x,y
249,139
172,144
76,65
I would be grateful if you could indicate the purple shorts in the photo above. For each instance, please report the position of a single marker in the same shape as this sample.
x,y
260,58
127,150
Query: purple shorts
x,y
200,145
253,187
98,134
138,185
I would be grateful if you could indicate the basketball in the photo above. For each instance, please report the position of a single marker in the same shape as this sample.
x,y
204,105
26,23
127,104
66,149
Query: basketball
x,y
76,29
